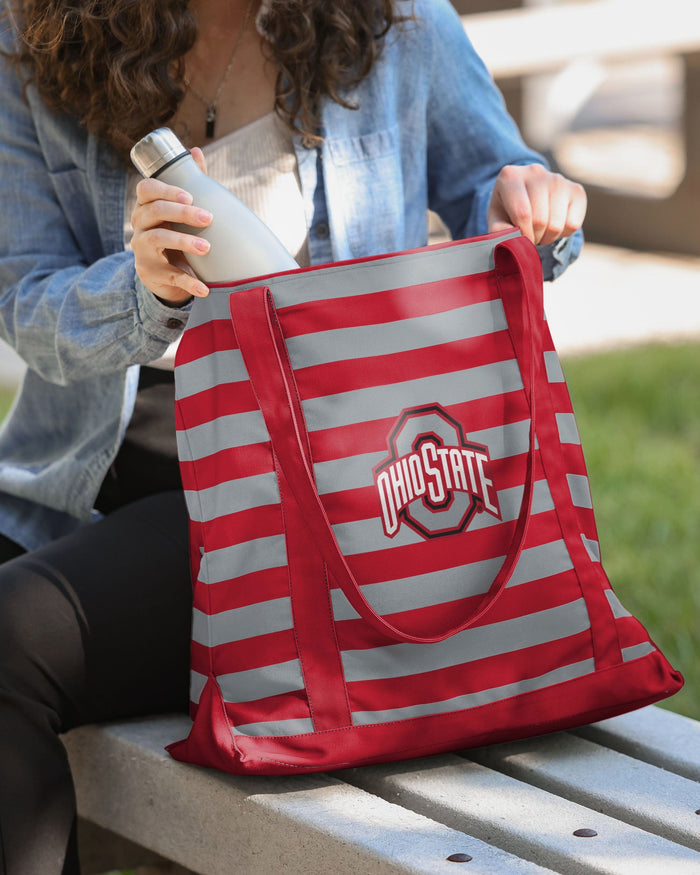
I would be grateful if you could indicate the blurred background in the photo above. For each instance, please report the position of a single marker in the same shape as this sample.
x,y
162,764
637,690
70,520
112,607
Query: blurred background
x,y
609,91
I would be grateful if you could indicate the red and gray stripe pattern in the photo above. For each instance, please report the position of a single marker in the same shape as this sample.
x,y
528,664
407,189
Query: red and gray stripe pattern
x,y
366,342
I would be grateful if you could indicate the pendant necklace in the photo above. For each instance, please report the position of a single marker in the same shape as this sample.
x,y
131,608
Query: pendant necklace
x,y
210,105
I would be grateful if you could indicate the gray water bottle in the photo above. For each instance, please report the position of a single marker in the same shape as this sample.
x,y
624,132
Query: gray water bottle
x,y
242,246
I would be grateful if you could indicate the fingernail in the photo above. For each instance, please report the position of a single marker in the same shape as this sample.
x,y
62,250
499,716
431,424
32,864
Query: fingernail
x,y
204,216
202,245
184,197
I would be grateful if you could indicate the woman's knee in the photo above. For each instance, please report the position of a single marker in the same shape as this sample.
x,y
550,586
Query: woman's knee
x,y
41,636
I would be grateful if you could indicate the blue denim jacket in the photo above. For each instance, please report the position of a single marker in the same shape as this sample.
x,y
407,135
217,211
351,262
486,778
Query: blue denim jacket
x,y
431,131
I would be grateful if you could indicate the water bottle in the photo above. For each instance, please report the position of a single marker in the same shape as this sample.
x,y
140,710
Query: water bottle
x,y
242,246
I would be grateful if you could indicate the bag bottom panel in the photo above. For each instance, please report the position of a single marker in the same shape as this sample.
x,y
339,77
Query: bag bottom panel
x,y
582,700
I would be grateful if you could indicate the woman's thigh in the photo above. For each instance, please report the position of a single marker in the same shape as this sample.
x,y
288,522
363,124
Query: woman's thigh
x,y
96,624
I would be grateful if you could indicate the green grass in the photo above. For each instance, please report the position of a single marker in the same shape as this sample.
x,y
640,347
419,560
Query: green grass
x,y
638,412
6,396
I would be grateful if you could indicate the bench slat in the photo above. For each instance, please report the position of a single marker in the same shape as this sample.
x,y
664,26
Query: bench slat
x,y
223,824
410,816
397,838
526,820
603,779
652,734
542,39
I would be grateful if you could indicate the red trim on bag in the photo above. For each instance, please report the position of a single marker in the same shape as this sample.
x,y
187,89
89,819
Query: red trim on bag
x,y
314,628
310,596
366,259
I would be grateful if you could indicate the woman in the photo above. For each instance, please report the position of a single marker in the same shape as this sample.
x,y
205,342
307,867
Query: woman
x,y
339,124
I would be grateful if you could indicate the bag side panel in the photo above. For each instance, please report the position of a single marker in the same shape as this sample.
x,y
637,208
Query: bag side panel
x,y
565,464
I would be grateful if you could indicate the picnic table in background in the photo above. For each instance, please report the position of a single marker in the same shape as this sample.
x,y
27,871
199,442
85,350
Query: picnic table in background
x,y
520,42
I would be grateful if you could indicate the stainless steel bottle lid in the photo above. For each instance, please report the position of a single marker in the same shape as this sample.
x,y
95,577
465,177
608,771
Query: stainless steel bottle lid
x,y
155,150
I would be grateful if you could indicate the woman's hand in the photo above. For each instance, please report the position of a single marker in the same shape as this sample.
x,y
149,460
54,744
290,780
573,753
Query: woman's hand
x,y
158,249
544,205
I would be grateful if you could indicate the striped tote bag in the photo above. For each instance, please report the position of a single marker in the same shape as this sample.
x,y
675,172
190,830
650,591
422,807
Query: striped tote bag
x,y
392,541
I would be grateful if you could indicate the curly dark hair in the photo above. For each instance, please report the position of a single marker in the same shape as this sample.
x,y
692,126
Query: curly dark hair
x,y
119,65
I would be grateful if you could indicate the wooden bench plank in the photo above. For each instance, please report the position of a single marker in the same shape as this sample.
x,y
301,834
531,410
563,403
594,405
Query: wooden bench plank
x,y
400,839
542,39
655,735
523,819
517,43
219,824
605,780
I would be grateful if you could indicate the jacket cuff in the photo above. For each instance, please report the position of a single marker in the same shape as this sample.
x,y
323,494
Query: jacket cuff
x,y
159,320
557,256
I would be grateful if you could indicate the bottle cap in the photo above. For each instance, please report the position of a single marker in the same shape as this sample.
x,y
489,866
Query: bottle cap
x,y
155,150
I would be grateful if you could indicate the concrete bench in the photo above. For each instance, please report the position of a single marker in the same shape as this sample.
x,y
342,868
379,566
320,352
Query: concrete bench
x,y
514,808
518,43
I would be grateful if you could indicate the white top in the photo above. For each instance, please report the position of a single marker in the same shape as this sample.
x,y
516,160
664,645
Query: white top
x,y
258,164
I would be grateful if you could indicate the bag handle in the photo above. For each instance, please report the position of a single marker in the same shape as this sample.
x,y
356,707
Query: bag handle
x,y
261,342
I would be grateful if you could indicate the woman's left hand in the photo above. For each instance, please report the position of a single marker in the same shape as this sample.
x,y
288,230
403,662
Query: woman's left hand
x,y
544,205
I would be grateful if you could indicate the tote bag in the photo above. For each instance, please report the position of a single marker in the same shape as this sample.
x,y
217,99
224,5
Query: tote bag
x,y
393,546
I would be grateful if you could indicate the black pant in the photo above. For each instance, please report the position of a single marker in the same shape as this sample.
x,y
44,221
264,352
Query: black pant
x,y
93,627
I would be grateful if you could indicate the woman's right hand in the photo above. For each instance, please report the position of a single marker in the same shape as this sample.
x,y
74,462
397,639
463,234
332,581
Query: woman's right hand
x,y
158,249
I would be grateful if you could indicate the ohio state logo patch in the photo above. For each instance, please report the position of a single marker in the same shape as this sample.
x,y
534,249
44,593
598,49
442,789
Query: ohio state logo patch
x,y
434,480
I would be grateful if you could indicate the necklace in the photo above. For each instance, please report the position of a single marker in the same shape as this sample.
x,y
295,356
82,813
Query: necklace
x,y
210,105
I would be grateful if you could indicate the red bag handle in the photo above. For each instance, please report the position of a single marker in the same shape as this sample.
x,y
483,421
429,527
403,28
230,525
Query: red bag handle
x,y
261,342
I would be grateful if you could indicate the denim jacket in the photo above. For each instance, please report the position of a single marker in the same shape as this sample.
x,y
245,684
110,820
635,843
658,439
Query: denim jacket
x,y
430,131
